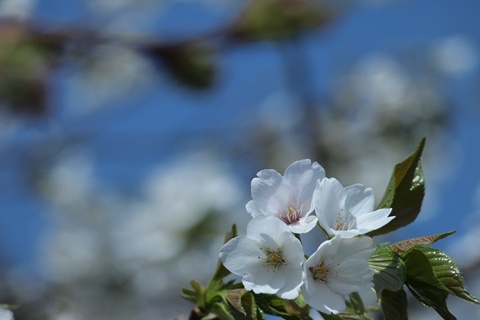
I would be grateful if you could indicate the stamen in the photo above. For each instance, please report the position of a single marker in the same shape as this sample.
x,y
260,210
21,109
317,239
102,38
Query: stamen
x,y
292,214
344,220
274,258
320,272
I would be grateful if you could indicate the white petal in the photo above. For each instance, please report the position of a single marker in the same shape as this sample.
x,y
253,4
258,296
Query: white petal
x,y
369,297
370,221
264,188
266,229
304,225
328,248
348,233
250,285
359,199
328,200
292,249
239,254
263,279
253,209
352,276
279,200
360,248
325,299
293,282
302,177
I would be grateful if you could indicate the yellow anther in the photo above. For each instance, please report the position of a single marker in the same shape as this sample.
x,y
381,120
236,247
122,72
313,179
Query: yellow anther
x,y
320,272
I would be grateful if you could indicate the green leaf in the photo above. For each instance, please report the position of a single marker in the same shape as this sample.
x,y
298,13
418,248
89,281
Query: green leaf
x,y
401,247
222,311
388,271
234,297
287,309
405,192
355,310
344,316
249,305
195,295
357,303
447,272
394,305
424,285
244,304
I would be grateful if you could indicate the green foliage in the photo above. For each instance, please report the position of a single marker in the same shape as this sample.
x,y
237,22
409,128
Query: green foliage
x,y
401,247
447,272
394,305
388,271
405,192
423,284
24,65
287,309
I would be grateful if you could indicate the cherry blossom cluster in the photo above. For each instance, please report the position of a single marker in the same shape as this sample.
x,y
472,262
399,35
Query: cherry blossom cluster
x,y
270,258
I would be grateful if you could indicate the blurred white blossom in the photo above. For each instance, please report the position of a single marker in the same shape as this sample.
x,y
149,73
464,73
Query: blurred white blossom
x,y
99,242
6,314
109,74
17,9
455,55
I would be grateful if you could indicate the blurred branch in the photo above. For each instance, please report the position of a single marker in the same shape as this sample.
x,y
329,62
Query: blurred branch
x,y
24,88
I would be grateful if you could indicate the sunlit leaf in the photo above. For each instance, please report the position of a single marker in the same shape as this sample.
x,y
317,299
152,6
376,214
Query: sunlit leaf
x,y
401,247
405,192
424,285
388,271
448,273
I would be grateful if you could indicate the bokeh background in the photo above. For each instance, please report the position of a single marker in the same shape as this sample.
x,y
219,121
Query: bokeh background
x,y
130,132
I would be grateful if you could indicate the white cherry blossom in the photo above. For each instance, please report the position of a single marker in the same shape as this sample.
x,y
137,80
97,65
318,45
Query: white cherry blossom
x,y
288,197
6,314
347,211
338,267
268,258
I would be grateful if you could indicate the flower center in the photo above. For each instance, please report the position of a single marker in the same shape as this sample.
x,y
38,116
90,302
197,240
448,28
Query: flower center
x,y
344,220
274,258
320,272
292,214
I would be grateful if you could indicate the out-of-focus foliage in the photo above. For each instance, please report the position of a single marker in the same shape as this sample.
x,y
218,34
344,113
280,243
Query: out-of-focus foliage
x,y
25,61
277,19
27,50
